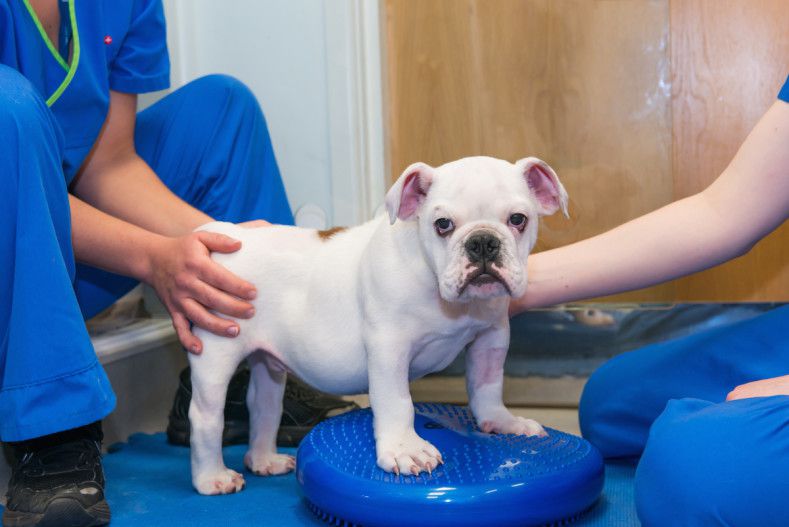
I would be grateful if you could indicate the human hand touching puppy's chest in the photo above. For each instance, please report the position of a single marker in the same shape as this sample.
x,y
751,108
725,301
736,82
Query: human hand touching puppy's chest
x,y
369,308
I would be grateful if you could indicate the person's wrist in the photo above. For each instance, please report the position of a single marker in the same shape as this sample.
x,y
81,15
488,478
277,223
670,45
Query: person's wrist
x,y
198,220
145,264
539,289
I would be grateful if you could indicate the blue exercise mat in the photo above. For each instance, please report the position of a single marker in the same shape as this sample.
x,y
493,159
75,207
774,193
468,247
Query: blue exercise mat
x,y
495,479
148,483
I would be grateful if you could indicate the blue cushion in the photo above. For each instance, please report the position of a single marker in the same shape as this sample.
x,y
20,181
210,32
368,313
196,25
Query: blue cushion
x,y
486,478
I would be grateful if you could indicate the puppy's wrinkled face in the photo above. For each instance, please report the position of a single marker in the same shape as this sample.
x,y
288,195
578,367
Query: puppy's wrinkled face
x,y
477,220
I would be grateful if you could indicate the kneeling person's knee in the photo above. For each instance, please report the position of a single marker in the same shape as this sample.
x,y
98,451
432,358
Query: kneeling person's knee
x,y
714,464
27,127
20,103
223,87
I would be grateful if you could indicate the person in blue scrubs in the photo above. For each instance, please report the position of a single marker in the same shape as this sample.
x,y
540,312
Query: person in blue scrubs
x,y
85,179
708,414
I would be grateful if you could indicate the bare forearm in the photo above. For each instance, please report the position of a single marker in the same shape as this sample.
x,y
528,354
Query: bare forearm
x,y
679,239
106,242
124,220
128,189
747,201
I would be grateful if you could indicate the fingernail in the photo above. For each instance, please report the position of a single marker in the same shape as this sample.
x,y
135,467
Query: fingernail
x,y
252,294
251,313
194,348
232,331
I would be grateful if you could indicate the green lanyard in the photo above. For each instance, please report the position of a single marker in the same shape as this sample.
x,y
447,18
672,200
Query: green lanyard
x,y
67,32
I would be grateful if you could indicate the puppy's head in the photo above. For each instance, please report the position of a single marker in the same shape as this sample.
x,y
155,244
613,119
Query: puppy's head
x,y
477,220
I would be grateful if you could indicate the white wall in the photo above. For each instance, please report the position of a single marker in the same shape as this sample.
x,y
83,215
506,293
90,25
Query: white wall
x,y
289,53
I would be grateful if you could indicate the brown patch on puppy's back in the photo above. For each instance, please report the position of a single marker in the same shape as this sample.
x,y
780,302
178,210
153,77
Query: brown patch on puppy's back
x,y
325,235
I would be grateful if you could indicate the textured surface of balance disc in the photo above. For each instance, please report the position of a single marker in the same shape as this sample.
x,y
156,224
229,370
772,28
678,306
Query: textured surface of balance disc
x,y
486,479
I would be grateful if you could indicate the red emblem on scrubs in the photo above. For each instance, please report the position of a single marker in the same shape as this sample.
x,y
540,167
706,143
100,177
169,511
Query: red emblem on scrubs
x,y
107,40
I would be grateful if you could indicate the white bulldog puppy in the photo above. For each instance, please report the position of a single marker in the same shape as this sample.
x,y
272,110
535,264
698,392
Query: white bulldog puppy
x,y
370,308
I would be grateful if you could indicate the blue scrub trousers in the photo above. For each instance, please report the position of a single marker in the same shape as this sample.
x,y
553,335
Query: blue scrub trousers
x,y
207,141
704,461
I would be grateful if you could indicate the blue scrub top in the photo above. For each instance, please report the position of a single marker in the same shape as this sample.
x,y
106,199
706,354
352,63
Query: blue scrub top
x,y
117,45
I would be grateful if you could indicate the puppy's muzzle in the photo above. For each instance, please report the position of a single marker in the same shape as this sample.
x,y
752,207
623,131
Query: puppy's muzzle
x,y
483,251
482,248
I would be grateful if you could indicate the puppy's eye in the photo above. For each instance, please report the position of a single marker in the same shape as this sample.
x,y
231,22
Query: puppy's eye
x,y
444,226
519,221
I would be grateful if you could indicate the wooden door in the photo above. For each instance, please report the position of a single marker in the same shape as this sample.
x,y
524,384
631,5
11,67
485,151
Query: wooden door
x,y
635,103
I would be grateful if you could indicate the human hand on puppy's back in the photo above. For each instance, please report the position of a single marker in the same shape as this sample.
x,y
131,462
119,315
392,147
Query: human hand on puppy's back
x,y
191,284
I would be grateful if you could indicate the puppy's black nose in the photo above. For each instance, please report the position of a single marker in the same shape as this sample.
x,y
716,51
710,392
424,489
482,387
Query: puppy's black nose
x,y
481,247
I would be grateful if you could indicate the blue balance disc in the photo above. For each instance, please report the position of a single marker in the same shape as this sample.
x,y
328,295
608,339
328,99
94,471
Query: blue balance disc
x,y
486,479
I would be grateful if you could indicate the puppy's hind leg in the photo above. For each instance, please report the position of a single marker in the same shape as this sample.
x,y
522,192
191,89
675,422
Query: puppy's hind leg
x,y
264,400
211,373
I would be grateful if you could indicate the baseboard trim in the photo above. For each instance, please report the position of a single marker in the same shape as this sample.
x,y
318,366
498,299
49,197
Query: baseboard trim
x,y
534,391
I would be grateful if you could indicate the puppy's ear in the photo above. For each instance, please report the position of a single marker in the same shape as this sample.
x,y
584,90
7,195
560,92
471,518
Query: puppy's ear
x,y
544,184
409,191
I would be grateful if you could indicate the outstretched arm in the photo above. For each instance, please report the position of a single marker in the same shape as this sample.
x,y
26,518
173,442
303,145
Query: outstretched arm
x,y
746,202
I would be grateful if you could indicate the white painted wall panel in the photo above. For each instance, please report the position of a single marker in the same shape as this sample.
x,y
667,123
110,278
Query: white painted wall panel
x,y
278,49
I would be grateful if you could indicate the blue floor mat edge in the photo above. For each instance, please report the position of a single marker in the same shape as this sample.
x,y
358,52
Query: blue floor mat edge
x,y
148,483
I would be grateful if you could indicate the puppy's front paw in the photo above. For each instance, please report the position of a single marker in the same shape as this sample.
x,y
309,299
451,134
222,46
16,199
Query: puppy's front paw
x,y
513,424
269,464
408,455
223,482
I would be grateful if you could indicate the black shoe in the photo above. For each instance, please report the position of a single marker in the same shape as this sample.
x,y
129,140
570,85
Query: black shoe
x,y
302,409
57,481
